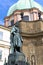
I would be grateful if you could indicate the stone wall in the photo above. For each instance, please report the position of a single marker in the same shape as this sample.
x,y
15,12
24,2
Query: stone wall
x,y
32,41
31,26
33,46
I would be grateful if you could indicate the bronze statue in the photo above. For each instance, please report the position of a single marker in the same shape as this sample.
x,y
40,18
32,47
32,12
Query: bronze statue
x,y
16,57
16,39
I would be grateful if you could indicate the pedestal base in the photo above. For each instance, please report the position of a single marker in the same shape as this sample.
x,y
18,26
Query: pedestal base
x,y
17,58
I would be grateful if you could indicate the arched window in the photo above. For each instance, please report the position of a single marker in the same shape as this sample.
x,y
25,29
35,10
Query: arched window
x,y
1,35
39,15
26,18
33,61
11,23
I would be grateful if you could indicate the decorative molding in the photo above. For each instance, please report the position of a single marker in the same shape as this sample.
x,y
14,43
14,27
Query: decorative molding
x,y
5,28
32,34
5,46
31,9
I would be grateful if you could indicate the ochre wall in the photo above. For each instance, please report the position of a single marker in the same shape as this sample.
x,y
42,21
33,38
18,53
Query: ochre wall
x,y
32,41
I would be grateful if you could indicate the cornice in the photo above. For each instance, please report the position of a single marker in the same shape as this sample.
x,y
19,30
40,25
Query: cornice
x,y
4,46
22,10
5,28
32,34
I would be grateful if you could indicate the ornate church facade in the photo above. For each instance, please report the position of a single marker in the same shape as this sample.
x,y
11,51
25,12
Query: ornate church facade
x,y
28,16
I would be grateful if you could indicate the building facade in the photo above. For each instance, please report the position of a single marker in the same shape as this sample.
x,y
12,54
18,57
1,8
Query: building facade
x,y
4,44
28,16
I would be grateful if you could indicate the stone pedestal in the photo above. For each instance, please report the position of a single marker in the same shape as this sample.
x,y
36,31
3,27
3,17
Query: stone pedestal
x,y
17,58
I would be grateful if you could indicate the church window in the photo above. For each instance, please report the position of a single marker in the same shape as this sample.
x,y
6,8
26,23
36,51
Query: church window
x,y
26,18
12,22
21,15
33,61
39,15
9,23
1,35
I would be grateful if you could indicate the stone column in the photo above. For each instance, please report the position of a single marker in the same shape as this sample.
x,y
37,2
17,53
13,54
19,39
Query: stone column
x,y
35,14
15,18
6,22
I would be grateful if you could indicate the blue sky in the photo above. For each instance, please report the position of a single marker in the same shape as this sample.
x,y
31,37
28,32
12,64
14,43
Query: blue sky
x,y
4,6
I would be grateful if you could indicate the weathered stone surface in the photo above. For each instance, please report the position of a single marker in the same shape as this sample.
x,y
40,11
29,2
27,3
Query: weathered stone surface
x,y
32,33
31,27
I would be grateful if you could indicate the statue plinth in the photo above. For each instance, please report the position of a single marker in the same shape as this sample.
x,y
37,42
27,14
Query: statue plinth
x,y
15,58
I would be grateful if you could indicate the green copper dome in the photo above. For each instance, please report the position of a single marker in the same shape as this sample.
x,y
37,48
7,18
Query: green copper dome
x,y
24,4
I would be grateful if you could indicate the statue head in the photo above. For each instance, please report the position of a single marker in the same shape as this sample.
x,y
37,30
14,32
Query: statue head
x,y
15,29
